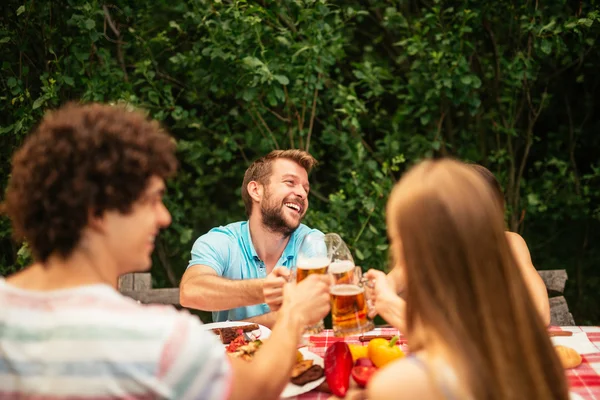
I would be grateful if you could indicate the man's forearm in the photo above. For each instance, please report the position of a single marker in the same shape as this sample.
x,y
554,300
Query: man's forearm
x,y
270,378
267,319
214,293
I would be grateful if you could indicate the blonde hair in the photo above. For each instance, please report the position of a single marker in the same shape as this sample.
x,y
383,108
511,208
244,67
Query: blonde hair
x,y
261,169
463,287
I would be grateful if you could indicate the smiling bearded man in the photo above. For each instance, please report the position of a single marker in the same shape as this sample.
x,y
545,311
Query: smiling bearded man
x,y
232,270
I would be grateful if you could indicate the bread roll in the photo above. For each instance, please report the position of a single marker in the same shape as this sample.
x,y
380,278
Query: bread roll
x,y
569,358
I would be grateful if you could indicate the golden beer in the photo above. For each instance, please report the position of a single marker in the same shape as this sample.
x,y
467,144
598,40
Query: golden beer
x,y
311,266
304,268
349,310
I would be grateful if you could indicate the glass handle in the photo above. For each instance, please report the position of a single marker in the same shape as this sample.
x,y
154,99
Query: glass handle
x,y
368,286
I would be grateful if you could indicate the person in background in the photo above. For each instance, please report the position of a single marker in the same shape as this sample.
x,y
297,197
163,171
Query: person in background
x,y
517,244
85,192
238,270
470,321
534,281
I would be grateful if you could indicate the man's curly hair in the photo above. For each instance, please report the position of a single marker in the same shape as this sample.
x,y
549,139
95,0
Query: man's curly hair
x,y
82,158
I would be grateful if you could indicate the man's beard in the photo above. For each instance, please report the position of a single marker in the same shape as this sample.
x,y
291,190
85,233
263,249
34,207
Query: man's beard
x,y
273,219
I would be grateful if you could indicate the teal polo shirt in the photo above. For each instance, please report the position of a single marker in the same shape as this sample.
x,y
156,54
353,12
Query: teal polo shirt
x,y
230,252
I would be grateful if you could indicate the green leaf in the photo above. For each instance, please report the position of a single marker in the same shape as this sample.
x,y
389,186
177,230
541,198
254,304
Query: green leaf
x,y
548,26
570,25
248,95
585,21
382,247
153,97
20,10
546,46
175,25
533,199
359,254
6,129
299,51
283,40
282,79
466,79
11,82
18,126
5,40
90,24
38,102
252,62
425,118
68,80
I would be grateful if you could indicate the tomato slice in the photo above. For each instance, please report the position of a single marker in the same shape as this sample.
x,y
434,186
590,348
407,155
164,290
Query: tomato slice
x,y
362,374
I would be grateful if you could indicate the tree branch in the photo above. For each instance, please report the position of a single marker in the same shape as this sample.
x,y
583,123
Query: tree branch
x,y
278,116
572,147
267,128
120,57
488,29
289,117
312,113
318,195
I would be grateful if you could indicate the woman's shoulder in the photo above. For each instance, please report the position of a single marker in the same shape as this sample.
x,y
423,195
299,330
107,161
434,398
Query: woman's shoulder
x,y
517,244
510,236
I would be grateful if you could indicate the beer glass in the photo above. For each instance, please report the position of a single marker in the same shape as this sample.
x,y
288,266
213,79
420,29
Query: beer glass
x,y
312,258
350,306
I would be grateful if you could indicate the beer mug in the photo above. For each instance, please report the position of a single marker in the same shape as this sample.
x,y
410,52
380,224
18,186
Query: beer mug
x,y
350,305
312,258
342,263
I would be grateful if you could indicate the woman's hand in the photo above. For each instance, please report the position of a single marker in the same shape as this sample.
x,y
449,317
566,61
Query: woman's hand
x,y
385,300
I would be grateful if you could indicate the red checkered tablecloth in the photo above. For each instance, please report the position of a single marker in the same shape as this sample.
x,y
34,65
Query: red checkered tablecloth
x,y
583,380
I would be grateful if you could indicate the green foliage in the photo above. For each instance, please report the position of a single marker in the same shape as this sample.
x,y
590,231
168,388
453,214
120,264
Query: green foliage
x,y
368,87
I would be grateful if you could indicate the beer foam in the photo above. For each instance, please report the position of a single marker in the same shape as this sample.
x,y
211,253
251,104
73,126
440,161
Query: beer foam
x,y
312,263
345,290
341,266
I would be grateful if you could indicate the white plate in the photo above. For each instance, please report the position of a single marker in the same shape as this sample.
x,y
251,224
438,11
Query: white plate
x,y
262,333
290,390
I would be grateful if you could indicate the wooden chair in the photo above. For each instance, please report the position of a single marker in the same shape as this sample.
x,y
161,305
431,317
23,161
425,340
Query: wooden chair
x,y
555,281
138,286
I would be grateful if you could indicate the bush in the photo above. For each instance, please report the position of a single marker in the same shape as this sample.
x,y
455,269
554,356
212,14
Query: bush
x,y
368,87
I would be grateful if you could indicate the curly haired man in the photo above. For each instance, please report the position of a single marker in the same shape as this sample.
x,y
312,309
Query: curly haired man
x,y
86,193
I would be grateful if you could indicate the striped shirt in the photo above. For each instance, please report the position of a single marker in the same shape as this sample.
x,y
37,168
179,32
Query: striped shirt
x,y
93,343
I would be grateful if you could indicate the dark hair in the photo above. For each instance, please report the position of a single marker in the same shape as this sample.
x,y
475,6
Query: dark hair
x,y
260,170
491,180
82,159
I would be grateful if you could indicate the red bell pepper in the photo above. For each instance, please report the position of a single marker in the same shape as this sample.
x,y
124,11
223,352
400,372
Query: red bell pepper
x,y
338,367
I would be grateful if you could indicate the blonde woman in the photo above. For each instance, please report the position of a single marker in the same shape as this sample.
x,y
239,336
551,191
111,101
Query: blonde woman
x,y
470,321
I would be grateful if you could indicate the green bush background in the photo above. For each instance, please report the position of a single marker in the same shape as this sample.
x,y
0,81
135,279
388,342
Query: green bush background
x,y
368,87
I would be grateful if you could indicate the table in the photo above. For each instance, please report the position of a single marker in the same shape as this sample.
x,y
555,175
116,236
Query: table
x,y
583,380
